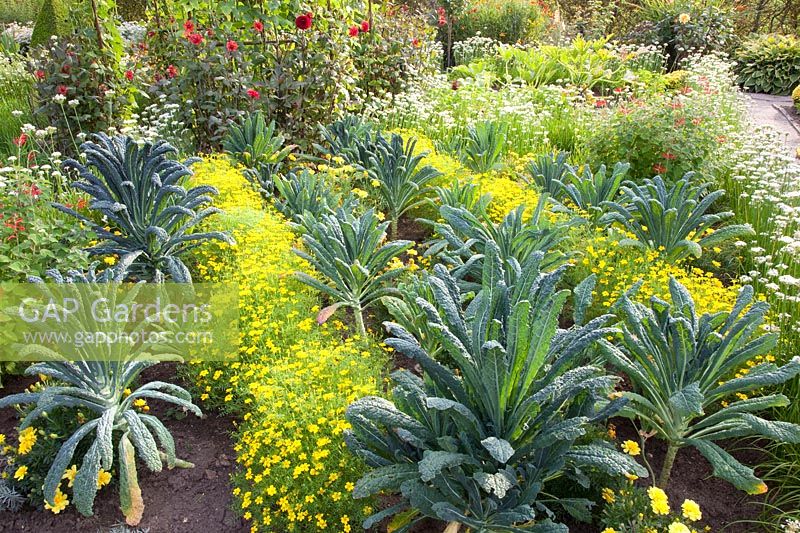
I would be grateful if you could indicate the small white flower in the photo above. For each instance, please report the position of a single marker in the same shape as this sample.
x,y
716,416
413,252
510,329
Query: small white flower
x,y
73,103
59,98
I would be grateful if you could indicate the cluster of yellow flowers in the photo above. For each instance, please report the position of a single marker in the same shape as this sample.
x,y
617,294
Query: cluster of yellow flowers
x,y
657,512
619,267
293,378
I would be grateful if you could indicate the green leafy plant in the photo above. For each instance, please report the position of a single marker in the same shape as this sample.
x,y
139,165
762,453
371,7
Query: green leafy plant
x,y
465,195
256,145
395,171
683,368
98,386
478,445
672,218
341,137
465,237
547,170
150,214
590,190
303,193
482,148
348,254
769,63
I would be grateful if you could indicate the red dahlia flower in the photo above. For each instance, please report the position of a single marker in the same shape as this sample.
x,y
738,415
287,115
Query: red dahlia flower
x,y
232,46
172,71
21,140
129,75
659,169
195,38
39,74
188,26
353,31
365,26
415,42
62,90
258,26
303,22
252,93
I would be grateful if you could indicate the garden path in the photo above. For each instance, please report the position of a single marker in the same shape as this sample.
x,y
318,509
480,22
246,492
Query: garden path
x,y
778,112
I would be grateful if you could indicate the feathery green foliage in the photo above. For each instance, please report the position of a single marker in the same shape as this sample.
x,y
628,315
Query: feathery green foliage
x,y
479,446
682,367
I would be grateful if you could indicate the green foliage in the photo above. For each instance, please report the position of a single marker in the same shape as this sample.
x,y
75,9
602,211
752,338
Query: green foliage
x,y
305,192
796,97
479,446
681,365
769,63
51,20
481,150
150,213
464,195
395,172
10,499
589,191
683,27
342,136
548,172
348,255
508,22
256,145
464,239
99,387
672,219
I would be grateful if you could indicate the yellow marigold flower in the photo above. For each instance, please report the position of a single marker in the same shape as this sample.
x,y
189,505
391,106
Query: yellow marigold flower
x,y
110,260
691,510
631,447
659,502
677,527
70,474
60,502
27,438
2,439
608,495
609,530
21,472
103,478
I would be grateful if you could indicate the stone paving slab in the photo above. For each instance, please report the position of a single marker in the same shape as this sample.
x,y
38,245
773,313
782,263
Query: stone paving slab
x,y
778,112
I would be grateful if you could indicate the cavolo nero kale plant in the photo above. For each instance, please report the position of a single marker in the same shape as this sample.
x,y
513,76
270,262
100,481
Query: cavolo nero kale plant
x,y
479,444
99,382
352,260
672,219
147,211
590,190
687,382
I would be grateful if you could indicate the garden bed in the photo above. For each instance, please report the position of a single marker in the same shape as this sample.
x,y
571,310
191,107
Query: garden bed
x,y
181,501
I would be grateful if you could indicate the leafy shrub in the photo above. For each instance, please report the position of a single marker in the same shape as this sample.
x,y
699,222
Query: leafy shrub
x,y
81,88
684,27
347,252
507,22
291,380
256,145
672,219
101,388
769,63
681,366
140,193
477,449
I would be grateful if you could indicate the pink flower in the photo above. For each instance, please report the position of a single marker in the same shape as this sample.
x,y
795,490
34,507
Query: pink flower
x,y
62,90
39,74
129,75
232,46
195,38
252,93
188,26
353,31
172,71
364,26
258,26
600,103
